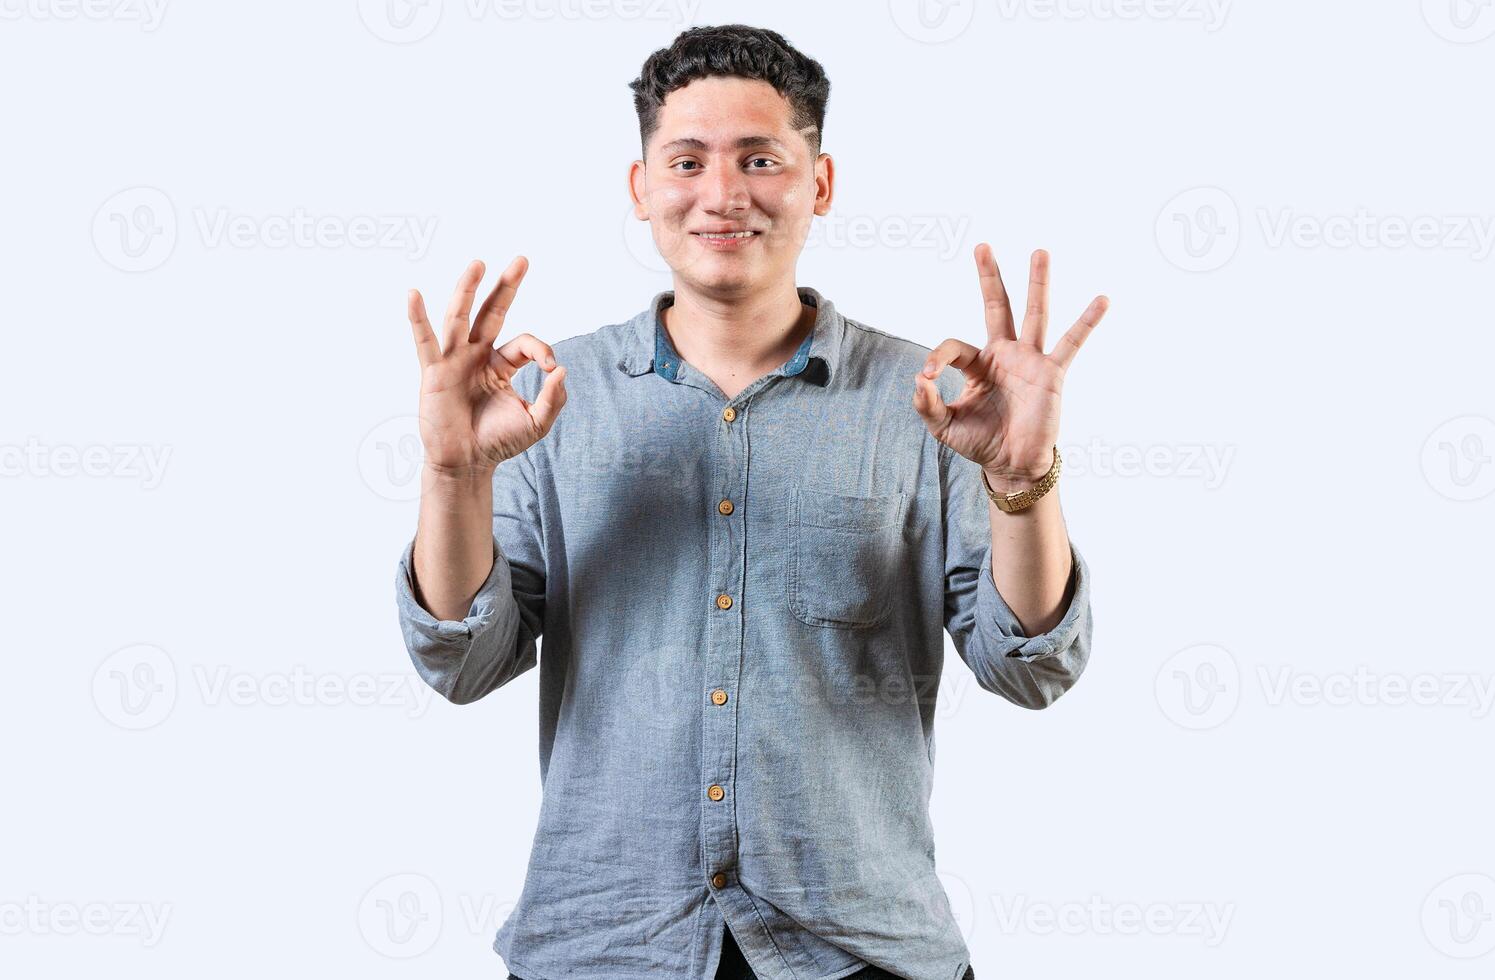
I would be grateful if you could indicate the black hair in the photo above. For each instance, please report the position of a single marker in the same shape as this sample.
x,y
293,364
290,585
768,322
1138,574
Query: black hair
x,y
738,51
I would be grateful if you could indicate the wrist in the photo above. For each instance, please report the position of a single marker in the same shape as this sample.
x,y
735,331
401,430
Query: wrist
x,y
437,475
1007,480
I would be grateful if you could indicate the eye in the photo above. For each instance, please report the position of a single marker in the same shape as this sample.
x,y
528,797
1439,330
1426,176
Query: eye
x,y
681,163
768,160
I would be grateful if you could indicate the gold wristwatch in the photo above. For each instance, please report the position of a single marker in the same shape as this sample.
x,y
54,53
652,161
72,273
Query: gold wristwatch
x,y
1011,503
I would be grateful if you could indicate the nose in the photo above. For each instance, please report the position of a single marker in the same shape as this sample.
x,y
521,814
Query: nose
x,y
725,190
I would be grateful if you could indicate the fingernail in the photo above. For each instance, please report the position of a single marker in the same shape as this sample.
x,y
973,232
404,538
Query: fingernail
x,y
549,361
929,368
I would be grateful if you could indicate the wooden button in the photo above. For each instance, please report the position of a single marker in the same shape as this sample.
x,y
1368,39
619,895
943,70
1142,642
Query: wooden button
x,y
718,880
725,507
718,696
729,413
715,792
724,601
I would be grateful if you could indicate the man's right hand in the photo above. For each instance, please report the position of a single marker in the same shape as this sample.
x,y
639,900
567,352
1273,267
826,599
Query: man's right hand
x,y
471,418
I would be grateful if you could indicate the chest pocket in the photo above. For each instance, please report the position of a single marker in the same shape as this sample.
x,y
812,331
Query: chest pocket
x,y
844,554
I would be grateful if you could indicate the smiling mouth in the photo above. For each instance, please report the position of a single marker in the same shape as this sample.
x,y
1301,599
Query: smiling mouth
x,y
724,235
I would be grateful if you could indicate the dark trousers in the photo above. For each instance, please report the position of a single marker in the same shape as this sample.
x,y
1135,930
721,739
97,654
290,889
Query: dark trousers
x,y
734,966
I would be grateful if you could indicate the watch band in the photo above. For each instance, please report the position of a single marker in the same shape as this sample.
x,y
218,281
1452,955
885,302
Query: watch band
x,y
1011,503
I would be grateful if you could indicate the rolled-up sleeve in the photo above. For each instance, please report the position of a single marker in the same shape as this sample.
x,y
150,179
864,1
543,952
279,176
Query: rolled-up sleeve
x,y
464,660
1029,671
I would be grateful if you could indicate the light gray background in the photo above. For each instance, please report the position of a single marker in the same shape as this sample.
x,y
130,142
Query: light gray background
x,y
1277,455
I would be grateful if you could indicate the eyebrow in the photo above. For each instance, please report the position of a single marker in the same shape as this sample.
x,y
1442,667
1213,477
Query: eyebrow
x,y
743,143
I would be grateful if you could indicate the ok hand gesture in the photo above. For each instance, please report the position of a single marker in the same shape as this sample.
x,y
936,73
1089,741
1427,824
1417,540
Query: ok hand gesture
x,y
471,418
1007,416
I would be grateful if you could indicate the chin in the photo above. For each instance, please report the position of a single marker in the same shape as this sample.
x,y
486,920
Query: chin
x,y
721,277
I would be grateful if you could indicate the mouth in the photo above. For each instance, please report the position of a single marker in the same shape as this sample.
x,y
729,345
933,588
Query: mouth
x,y
725,241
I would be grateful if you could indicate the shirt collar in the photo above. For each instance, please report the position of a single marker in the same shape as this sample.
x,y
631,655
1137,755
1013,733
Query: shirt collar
x,y
648,346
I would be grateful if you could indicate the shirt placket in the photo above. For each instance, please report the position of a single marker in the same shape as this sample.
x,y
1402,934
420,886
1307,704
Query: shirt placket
x,y
722,662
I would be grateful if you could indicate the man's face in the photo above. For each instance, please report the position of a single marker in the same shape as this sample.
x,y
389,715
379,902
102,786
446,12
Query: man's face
x,y
725,159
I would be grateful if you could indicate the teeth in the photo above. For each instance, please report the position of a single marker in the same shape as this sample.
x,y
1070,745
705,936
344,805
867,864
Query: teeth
x,y
725,234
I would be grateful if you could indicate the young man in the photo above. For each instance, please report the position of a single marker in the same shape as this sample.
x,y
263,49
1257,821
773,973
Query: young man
x,y
741,541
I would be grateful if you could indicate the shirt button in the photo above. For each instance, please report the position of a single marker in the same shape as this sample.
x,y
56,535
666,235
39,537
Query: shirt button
x,y
729,413
724,601
718,880
718,696
725,507
715,792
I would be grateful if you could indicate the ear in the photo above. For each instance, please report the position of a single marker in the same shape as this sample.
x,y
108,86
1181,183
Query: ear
x,y
825,182
637,189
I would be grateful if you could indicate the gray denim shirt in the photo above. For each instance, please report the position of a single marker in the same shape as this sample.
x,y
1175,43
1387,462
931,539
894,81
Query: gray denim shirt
x,y
742,602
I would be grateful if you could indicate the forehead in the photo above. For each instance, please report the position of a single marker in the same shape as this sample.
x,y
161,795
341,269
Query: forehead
x,y
720,109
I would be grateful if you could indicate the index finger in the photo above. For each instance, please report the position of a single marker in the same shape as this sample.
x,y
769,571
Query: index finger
x,y
490,318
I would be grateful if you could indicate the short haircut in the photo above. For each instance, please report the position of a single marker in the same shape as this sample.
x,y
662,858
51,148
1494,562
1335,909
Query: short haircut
x,y
734,51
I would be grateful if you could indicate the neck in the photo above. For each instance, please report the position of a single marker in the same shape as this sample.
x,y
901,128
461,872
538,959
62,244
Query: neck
x,y
737,336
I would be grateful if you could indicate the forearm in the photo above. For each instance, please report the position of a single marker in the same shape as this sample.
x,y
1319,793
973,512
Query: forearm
x,y
453,541
1030,560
